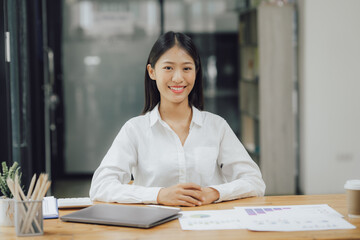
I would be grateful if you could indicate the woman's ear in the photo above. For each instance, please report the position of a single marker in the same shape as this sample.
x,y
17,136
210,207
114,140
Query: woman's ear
x,y
151,72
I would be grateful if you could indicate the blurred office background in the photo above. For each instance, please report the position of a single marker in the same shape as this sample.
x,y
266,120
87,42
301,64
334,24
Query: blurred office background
x,y
284,74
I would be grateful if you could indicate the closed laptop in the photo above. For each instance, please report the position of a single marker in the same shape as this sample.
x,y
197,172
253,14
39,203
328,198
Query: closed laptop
x,y
123,215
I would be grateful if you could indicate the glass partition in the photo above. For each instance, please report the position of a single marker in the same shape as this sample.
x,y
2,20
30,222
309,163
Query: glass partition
x,y
105,47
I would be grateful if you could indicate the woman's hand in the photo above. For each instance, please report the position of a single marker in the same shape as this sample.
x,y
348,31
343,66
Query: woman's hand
x,y
209,195
185,194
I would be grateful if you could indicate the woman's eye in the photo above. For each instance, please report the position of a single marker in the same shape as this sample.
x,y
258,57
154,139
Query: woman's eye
x,y
187,68
167,68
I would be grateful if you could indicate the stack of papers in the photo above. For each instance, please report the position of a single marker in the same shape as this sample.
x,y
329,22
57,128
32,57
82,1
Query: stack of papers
x,y
266,218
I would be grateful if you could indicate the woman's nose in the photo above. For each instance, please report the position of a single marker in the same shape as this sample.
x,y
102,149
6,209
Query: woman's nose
x,y
177,77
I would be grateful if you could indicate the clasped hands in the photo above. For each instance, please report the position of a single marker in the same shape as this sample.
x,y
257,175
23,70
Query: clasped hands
x,y
187,194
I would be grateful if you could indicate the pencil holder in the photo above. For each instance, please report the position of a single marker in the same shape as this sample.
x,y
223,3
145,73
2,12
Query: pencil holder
x,y
28,218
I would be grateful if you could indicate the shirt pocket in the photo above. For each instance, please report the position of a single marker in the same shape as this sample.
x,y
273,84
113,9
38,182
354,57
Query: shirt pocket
x,y
206,161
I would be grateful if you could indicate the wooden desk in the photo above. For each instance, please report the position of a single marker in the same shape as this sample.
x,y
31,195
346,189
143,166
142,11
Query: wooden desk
x,y
56,229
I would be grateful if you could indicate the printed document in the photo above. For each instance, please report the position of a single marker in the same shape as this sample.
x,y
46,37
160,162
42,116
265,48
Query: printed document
x,y
293,218
266,218
211,220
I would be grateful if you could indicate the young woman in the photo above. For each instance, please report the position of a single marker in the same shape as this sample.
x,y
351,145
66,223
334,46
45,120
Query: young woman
x,y
177,153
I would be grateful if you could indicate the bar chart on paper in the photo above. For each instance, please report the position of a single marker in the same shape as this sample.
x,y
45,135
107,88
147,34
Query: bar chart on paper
x,y
256,211
301,223
292,218
320,209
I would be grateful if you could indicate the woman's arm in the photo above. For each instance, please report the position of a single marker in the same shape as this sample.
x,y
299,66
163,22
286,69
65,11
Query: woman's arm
x,y
242,174
110,180
110,185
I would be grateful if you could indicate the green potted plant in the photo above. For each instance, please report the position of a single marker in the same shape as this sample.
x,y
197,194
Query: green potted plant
x,y
6,200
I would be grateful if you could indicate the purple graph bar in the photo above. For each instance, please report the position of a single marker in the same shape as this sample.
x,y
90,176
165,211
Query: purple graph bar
x,y
250,211
259,211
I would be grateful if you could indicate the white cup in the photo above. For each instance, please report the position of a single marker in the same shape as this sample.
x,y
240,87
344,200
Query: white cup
x,y
353,198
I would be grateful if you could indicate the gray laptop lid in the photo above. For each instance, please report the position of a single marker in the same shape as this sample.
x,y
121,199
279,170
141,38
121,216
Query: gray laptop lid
x,y
123,215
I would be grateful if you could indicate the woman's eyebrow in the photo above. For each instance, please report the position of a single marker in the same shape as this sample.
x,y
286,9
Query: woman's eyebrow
x,y
170,62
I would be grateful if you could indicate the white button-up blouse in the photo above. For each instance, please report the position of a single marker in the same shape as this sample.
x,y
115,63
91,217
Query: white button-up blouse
x,y
212,156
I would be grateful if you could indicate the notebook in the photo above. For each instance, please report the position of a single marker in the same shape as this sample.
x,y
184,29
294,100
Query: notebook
x,y
50,208
123,215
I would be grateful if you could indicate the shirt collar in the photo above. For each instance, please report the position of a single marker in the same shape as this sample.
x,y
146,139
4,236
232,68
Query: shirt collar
x,y
197,116
155,116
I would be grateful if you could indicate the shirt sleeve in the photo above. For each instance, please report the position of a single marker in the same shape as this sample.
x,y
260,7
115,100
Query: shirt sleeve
x,y
111,178
242,175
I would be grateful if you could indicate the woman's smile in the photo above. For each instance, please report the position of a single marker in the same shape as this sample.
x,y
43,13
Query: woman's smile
x,y
177,89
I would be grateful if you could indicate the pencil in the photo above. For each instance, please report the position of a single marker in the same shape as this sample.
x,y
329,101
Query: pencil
x,y
31,187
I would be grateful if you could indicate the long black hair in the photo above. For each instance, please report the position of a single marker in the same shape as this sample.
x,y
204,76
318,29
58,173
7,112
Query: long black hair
x,y
164,43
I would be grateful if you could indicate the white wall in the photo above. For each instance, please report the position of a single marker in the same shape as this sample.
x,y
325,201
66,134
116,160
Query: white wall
x,y
329,78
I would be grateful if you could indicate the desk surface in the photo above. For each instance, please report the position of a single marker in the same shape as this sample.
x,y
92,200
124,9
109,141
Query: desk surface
x,y
56,229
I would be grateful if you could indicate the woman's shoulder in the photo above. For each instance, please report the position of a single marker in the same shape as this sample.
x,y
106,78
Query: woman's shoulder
x,y
212,118
141,120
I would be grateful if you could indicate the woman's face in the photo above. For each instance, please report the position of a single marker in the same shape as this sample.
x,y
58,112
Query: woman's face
x,y
174,74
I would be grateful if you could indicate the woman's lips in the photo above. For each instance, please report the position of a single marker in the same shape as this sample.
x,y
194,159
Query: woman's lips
x,y
177,89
